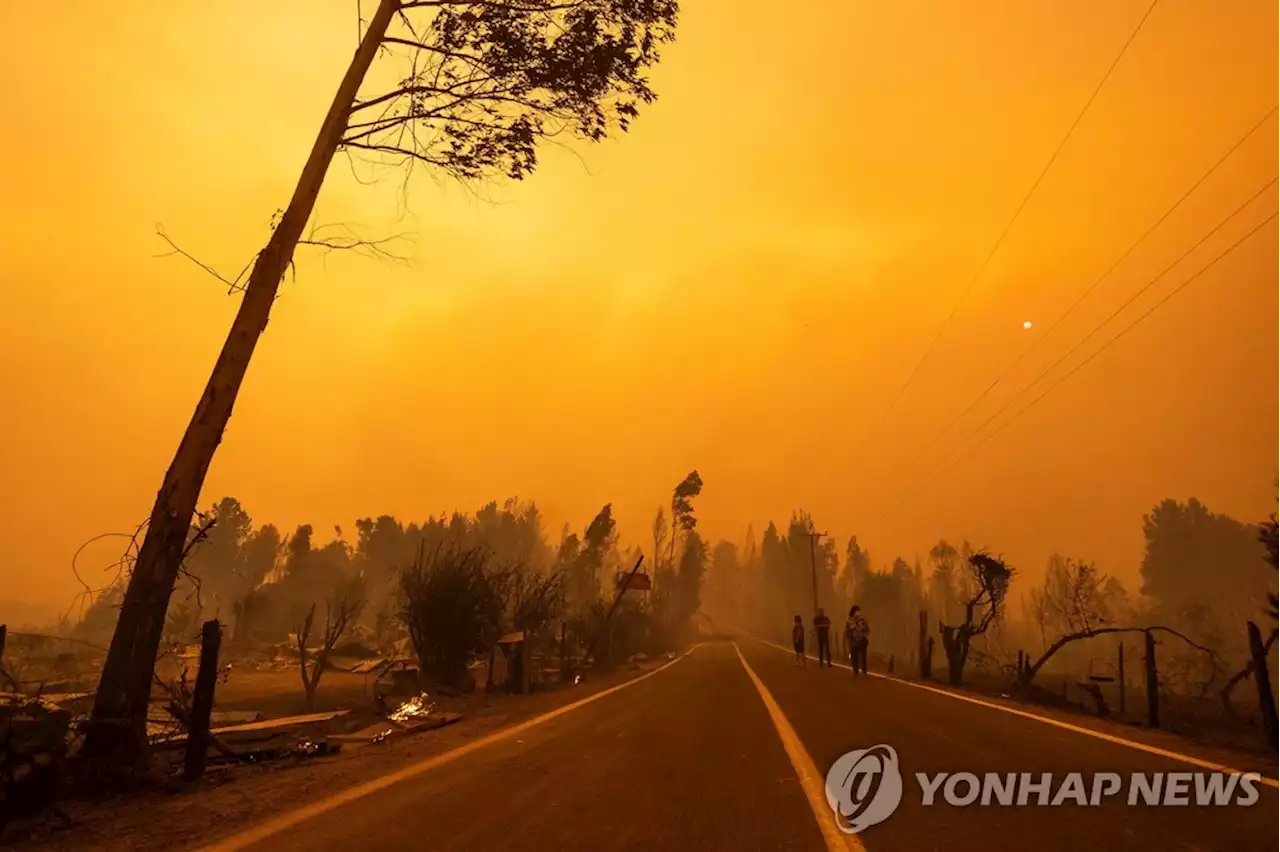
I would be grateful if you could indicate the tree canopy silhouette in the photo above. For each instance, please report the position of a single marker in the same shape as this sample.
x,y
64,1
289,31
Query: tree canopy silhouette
x,y
1201,562
486,82
1269,535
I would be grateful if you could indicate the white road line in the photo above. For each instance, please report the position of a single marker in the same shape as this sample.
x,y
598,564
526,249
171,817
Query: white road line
x,y
1066,726
262,831
811,780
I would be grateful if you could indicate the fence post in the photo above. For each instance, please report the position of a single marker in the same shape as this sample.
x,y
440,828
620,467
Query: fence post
x,y
564,652
488,677
1120,674
1153,683
1262,677
926,649
202,701
12,683
622,589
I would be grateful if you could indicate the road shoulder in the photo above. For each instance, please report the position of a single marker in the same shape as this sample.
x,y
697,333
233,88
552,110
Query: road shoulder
x,y
243,796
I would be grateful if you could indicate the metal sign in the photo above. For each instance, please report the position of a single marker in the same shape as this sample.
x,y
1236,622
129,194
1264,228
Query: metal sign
x,y
637,582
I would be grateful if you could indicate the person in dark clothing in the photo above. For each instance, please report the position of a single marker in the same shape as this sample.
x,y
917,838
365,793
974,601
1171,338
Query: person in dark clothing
x,y
858,634
797,639
822,626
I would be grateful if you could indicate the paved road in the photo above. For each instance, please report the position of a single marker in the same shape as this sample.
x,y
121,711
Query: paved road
x,y
833,713
691,759
687,759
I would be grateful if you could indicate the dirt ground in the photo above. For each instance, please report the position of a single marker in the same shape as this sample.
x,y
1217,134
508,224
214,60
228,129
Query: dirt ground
x,y
189,816
1182,719
278,692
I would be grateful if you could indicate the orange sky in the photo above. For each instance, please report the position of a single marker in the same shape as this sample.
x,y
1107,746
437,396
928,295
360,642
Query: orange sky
x,y
739,285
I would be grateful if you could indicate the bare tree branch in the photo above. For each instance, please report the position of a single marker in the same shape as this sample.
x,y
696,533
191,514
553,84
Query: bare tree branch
x,y
336,620
376,249
399,152
233,285
1028,674
1235,679
201,533
528,7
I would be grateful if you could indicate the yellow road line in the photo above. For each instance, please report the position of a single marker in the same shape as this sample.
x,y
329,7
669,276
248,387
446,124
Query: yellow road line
x,y
811,780
262,831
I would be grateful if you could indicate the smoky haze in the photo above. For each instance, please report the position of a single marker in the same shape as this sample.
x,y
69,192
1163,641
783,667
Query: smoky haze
x,y
742,287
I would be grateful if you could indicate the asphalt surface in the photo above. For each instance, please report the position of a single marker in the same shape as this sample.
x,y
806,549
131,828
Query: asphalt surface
x,y
833,713
691,759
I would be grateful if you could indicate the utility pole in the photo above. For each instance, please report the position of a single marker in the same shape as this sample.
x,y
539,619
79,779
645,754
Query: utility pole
x,y
622,590
813,564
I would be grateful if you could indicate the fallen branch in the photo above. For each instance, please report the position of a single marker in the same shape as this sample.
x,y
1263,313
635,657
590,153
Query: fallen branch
x,y
1028,674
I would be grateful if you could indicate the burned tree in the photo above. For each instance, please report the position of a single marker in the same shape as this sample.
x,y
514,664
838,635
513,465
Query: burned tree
x,y
1246,672
339,615
1260,649
1079,602
667,586
1269,537
682,517
990,577
452,604
487,82
534,599
1029,671
1073,596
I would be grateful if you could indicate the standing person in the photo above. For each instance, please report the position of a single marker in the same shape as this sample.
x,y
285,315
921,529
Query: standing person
x,y
797,639
822,626
858,634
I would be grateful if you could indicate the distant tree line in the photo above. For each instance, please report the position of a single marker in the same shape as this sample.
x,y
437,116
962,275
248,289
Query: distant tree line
x,y
452,583
1203,575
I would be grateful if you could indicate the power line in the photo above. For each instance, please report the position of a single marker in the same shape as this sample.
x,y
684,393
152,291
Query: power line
x,y
1018,212
1124,331
1121,334
1098,281
1144,288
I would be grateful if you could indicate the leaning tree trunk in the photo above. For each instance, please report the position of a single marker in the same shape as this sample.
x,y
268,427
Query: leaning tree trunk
x,y
117,732
1029,670
1262,677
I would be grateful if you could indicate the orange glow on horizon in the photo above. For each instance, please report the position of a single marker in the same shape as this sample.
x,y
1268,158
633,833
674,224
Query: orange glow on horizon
x,y
739,285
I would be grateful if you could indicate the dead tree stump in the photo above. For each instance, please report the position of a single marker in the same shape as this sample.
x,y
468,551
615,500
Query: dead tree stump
x,y
202,701
1262,677
1120,675
926,646
564,652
